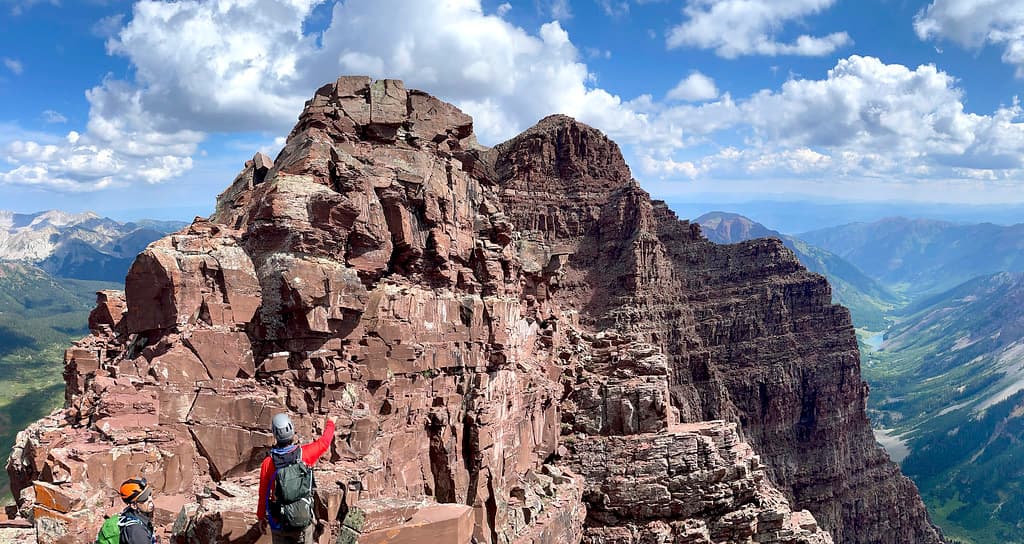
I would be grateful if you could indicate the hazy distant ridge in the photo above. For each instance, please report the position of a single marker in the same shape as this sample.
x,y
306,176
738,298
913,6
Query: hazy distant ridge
x,y
921,255
82,246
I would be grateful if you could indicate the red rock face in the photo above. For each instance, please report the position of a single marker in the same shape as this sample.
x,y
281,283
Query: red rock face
x,y
518,344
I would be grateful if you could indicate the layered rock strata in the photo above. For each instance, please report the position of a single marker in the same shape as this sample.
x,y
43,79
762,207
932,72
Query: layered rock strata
x,y
519,345
695,483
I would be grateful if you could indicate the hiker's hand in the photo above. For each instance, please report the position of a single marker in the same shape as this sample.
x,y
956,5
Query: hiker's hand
x,y
333,419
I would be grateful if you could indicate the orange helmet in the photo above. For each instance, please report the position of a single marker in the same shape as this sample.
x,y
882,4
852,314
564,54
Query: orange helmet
x,y
134,490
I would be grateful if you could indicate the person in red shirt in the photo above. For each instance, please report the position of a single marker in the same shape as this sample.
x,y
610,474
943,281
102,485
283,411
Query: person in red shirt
x,y
284,434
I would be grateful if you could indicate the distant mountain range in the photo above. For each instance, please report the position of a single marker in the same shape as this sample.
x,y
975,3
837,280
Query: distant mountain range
x,y
81,246
796,216
733,228
921,256
867,299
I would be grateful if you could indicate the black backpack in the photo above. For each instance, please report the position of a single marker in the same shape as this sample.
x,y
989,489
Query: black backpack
x,y
291,501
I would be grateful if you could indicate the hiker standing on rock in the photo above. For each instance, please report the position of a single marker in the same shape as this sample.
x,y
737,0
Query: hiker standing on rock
x,y
286,483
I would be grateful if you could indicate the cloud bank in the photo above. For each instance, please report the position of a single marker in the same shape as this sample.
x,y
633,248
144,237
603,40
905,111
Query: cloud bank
x,y
239,66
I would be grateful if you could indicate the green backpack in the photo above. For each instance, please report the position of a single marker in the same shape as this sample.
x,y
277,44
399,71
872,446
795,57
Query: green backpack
x,y
110,532
292,501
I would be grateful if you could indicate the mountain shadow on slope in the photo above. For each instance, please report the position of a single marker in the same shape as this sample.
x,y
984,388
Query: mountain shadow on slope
x,y
79,260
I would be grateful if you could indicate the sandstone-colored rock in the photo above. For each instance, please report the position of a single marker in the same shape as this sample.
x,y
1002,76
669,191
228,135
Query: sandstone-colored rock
x,y
110,308
179,364
56,498
433,523
695,483
197,275
225,355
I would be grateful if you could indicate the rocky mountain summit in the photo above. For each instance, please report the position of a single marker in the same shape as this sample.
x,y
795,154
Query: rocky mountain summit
x,y
520,346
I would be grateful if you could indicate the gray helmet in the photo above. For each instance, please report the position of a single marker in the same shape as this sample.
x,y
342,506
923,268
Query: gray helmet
x,y
283,430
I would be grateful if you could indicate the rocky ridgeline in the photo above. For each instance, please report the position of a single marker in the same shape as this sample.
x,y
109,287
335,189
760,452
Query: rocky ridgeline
x,y
520,346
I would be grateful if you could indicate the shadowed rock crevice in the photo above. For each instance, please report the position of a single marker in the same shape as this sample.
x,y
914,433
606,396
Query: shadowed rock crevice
x,y
471,457
444,484
192,349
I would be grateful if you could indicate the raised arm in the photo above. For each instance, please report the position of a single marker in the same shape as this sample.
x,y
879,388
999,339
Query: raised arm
x,y
311,452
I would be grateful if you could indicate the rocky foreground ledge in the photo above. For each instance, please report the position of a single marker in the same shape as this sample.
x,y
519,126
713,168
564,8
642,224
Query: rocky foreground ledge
x,y
519,344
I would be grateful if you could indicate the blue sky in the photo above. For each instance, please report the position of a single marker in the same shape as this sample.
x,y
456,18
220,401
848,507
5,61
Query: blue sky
x,y
139,109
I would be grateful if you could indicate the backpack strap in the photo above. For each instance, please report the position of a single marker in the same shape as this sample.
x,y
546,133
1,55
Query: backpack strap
x,y
127,520
312,478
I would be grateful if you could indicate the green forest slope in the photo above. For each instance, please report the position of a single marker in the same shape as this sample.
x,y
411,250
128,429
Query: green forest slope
x,y
39,317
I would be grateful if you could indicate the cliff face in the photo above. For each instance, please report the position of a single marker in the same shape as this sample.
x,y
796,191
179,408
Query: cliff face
x,y
519,344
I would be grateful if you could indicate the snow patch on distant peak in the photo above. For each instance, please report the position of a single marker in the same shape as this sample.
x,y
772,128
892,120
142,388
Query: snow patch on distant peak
x,y
59,218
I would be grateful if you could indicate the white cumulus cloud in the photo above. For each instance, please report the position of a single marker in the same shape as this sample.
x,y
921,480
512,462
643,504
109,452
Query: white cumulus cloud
x,y
798,161
694,88
976,23
668,167
868,106
240,65
866,118
734,28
